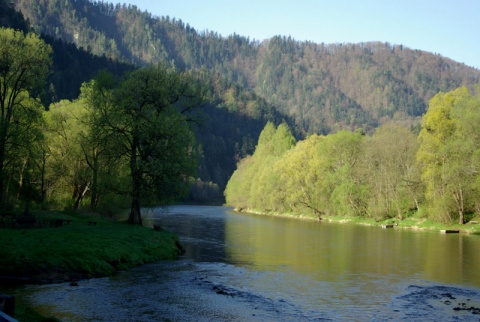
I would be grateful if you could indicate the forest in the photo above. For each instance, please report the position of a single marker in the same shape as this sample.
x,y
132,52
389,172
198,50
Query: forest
x,y
388,174
129,138
80,150
123,136
323,87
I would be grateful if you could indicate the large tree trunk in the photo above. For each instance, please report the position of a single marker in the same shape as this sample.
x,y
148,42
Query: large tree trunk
x,y
42,178
459,199
94,191
81,193
2,196
2,174
135,216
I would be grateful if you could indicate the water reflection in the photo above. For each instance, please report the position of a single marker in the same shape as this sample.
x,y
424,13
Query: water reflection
x,y
330,265
330,252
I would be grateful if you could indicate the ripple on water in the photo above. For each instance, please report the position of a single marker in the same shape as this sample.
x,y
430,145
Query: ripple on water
x,y
185,290
168,291
433,303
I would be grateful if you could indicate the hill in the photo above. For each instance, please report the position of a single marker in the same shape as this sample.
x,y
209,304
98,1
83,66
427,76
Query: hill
x,y
324,87
229,125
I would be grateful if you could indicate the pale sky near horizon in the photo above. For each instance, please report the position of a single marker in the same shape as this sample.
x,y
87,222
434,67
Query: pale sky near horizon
x,y
450,28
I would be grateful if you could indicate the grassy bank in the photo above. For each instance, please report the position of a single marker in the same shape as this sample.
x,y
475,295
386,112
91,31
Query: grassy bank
x,y
84,246
25,313
88,246
414,221
409,223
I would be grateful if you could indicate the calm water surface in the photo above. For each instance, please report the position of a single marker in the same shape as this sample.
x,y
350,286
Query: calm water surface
x,y
241,267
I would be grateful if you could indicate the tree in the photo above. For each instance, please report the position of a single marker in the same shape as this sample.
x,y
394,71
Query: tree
x,y
255,184
148,118
66,163
300,174
23,168
24,64
449,153
96,141
264,190
237,191
467,112
390,170
340,154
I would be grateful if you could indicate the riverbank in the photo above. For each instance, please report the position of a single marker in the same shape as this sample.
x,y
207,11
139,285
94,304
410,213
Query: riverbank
x,y
412,222
79,246
70,246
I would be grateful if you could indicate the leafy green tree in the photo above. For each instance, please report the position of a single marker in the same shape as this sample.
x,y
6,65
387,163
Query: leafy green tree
x,y
67,170
255,184
468,151
300,174
342,152
24,64
389,168
24,166
237,191
148,118
317,175
340,155
449,153
266,182
96,140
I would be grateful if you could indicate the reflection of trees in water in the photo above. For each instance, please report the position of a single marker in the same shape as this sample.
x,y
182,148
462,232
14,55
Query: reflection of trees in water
x,y
339,251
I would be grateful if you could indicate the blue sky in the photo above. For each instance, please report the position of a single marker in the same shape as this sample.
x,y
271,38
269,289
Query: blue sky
x,y
450,28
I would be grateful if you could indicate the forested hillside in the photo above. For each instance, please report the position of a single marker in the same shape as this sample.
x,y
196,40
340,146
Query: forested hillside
x,y
227,128
325,87
314,88
71,66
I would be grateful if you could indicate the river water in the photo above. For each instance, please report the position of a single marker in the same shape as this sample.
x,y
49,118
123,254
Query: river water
x,y
240,267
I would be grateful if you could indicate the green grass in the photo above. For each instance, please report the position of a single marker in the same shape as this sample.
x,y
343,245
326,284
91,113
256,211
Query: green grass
x,y
414,220
24,312
78,250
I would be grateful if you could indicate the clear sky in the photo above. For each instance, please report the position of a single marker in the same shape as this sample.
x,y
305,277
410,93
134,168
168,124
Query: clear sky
x,y
450,28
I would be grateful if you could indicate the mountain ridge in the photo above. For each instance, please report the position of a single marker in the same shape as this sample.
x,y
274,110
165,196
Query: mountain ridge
x,y
325,87
227,125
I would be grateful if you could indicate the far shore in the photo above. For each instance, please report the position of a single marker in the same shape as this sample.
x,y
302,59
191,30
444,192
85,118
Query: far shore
x,y
411,222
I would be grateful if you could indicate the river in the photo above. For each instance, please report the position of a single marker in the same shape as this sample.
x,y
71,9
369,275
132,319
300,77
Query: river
x,y
240,267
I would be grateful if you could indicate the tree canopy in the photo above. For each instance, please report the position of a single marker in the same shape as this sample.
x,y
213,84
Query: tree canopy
x,y
387,174
148,118
449,154
24,63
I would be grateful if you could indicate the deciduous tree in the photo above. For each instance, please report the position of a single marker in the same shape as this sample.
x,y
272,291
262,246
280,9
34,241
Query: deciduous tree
x,y
449,153
148,118
255,184
24,64
66,165
301,178
389,168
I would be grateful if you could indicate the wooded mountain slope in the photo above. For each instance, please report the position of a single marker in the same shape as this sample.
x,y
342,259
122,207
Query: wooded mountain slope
x,y
227,128
325,87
